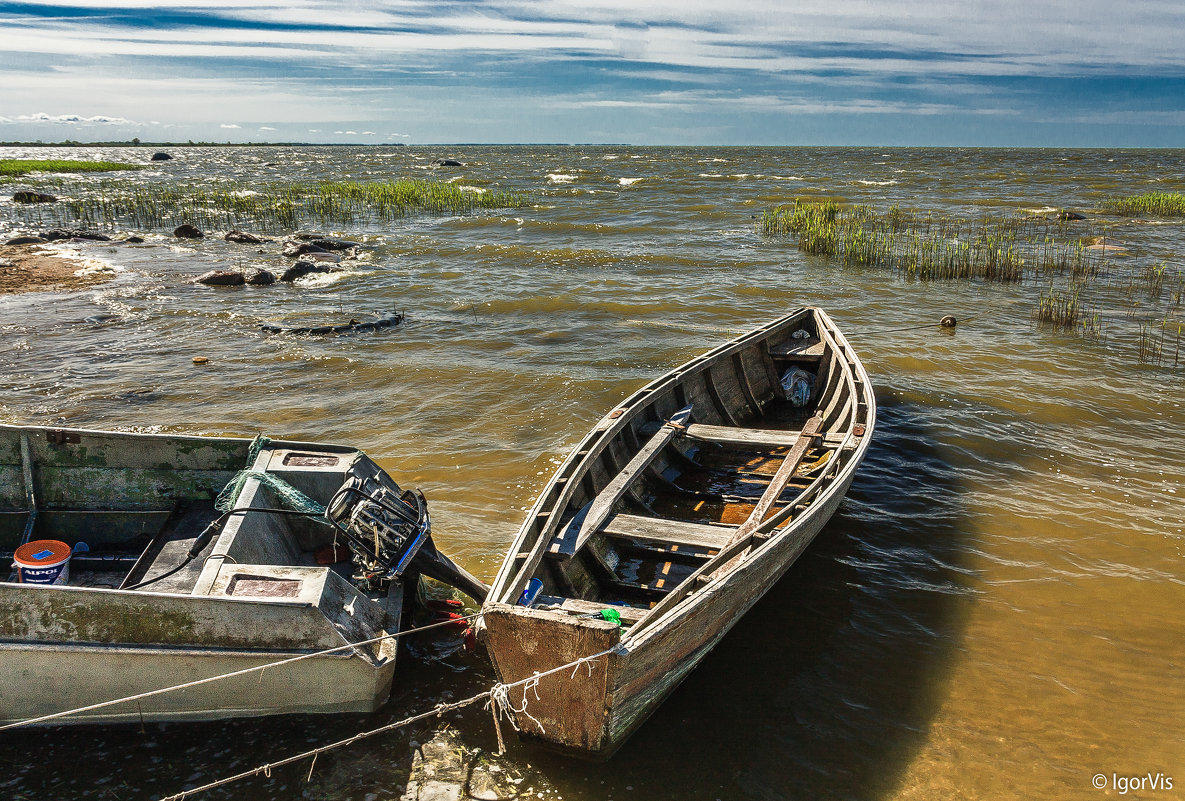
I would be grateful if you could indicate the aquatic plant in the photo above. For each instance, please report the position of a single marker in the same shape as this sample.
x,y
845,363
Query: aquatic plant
x,y
1058,310
1150,204
274,207
17,167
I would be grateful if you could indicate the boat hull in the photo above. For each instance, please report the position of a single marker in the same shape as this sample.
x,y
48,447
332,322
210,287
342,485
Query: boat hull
x,y
591,711
258,592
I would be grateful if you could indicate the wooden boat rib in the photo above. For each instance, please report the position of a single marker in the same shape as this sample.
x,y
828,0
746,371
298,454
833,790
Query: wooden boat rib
x,y
674,515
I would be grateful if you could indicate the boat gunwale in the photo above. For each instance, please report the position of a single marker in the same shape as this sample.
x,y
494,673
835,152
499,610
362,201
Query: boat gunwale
x,y
200,438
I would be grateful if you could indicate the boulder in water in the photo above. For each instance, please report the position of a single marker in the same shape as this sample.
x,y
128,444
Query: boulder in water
x,y
335,244
27,240
1070,216
294,249
161,157
303,268
71,233
28,197
260,277
188,231
448,163
221,278
245,238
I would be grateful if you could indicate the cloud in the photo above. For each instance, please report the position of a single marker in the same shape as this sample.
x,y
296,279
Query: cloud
x,y
601,67
68,119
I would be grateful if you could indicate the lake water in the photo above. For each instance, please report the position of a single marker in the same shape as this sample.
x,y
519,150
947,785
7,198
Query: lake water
x,y
995,612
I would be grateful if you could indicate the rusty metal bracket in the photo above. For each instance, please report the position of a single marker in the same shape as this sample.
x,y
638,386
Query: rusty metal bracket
x,y
59,436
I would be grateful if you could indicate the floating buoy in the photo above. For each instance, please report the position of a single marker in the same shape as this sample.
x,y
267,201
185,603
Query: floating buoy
x,y
200,360
948,321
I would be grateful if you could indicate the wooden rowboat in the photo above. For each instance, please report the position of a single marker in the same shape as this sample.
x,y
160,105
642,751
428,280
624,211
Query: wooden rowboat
x,y
668,521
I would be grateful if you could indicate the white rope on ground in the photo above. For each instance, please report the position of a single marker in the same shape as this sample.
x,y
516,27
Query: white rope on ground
x,y
498,691
222,676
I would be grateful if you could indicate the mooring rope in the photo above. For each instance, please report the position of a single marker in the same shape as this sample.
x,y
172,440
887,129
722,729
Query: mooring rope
x,y
497,696
222,676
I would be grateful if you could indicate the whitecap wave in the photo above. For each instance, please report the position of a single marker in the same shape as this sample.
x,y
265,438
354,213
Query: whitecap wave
x,y
561,178
628,181
877,183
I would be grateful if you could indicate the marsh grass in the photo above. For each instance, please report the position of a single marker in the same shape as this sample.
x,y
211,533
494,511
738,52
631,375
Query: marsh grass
x,y
1150,204
1059,310
19,167
935,247
273,208
1071,278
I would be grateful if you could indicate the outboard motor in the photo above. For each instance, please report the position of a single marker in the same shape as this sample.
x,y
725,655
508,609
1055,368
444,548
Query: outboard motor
x,y
385,525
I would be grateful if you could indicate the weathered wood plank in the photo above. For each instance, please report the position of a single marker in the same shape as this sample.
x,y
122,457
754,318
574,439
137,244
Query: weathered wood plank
x,y
780,479
762,437
811,348
565,545
668,532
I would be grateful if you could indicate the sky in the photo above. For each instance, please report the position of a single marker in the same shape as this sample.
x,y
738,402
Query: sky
x,y
1045,73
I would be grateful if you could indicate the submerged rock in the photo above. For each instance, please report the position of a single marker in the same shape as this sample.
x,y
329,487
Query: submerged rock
x,y
242,236
58,234
294,249
448,163
303,268
1070,216
260,277
188,231
335,244
134,240
27,240
161,157
221,278
25,196
443,769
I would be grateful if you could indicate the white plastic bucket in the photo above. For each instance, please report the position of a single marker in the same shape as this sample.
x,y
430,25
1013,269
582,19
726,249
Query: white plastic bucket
x,y
42,562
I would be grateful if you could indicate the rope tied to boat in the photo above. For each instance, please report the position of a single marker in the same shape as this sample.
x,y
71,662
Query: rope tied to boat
x,y
501,690
500,704
244,671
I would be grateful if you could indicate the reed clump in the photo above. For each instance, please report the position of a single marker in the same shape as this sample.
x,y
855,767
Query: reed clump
x,y
275,207
931,246
18,167
1058,309
1149,204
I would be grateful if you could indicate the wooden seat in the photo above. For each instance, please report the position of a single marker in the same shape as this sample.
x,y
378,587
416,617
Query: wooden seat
x,y
764,437
806,349
668,532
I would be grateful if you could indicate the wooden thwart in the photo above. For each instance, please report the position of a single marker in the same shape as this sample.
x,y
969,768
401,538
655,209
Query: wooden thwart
x,y
812,348
769,438
668,532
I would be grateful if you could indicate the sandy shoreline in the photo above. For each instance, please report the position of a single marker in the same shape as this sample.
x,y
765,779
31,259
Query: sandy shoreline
x,y
35,268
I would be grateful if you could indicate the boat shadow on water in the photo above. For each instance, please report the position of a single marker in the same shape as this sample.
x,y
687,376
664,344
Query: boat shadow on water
x,y
826,688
